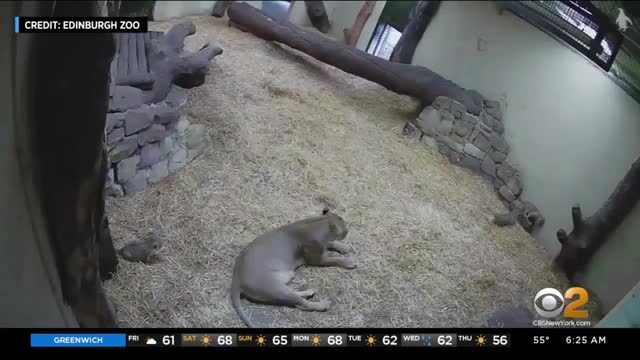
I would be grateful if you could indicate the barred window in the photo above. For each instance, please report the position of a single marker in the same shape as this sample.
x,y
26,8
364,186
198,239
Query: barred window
x,y
578,23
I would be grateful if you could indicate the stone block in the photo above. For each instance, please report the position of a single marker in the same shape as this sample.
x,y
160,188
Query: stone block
x,y
115,135
474,151
474,132
428,120
454,157
137,184
177,97
445,115
164,114
462,128
495,112
177,160
498,127
457,108
411,131
470,118
515,184
471,163
114,120
430,141
137,119
443,148
487,119
194,152
505,172
124,98
442,102
114,190
154,133
166,145
460,140
489,166
491,104
491,122
497,156
158,172
194,136
449,142
181,126
482,142
445,126
498,142
110,179
506,193
517,205
123,149
127,168
150,154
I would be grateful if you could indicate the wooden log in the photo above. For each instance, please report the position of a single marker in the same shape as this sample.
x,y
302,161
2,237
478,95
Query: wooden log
x,y
590,234
170,64
353,34
419,18
416,81
220,8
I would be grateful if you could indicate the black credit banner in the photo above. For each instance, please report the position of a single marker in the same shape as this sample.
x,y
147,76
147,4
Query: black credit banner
x,y
80,24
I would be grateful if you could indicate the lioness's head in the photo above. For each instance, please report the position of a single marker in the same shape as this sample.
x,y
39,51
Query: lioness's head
x,y
337,225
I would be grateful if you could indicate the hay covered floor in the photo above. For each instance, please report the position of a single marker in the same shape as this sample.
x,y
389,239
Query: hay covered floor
x,y
287,135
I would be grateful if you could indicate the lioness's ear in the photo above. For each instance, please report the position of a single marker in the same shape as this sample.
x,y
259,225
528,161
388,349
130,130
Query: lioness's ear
x,y
325,211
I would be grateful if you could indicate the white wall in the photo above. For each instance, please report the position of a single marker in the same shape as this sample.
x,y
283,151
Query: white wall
x,y
165,10
341,15
573,131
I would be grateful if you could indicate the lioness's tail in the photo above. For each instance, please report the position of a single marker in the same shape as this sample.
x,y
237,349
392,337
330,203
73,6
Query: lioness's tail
x,y
235,296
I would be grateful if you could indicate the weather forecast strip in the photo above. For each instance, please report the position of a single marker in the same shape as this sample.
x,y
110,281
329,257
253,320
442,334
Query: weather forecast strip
x,y
320,340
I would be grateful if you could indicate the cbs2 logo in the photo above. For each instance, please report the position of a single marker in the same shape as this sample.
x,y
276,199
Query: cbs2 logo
x,y
550,302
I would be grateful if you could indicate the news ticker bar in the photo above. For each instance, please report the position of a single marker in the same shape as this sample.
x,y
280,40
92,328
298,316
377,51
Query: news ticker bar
x,y
271,340
240,339
80,24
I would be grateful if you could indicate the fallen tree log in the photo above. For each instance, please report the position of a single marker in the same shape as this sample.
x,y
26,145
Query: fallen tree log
x,y
419,19
416,81
590,234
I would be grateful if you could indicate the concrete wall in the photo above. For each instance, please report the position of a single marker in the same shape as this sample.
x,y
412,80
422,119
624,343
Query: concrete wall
x,y
573,131
626,314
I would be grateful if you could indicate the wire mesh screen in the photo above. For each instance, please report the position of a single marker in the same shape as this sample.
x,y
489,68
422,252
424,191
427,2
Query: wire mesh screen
x,y
626,67
567,20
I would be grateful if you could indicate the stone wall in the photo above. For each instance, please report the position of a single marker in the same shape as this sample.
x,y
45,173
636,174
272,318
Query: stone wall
x,y
478,144
146,143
